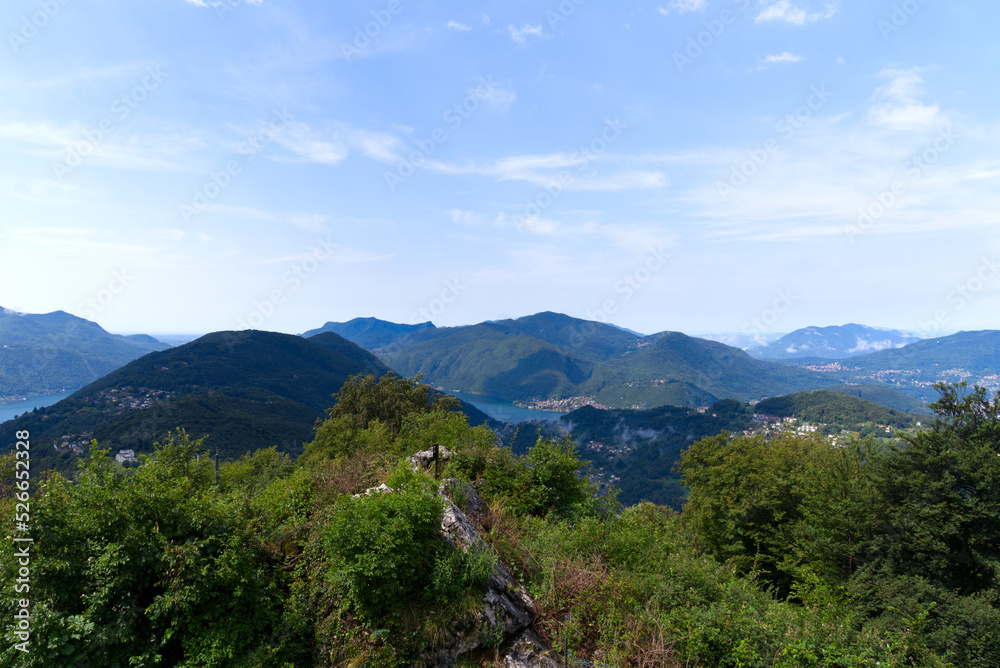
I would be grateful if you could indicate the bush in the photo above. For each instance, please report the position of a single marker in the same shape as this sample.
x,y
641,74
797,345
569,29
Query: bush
x,y
389,555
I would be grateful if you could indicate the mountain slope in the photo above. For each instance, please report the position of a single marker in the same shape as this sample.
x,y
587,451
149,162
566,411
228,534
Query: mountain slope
x,y
835,342
713,367
972,357
554,356
45,353
828,407
244,390
370,333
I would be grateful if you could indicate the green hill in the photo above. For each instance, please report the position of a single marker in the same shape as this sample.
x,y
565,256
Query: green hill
x,y
243,390
835,408
885,396
553,356
51,352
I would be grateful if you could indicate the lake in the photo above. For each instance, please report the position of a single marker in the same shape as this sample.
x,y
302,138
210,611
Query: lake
x,y
505,411
10,411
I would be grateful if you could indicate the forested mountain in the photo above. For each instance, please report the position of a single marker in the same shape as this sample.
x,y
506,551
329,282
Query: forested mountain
x,y
370,333
553,356
830,407
51,352
835,342
242,390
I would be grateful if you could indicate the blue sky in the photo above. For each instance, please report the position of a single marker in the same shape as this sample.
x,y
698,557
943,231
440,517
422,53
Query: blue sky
x,y
696,165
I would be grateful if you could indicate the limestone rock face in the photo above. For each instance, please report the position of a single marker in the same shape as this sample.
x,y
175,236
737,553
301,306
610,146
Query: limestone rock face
x,y
528,650
425,458
508,611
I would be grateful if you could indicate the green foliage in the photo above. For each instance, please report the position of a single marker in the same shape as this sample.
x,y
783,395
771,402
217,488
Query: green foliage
x,y
940,514
253,472
390,557
551,478
389,399
375,412
143,568
908,535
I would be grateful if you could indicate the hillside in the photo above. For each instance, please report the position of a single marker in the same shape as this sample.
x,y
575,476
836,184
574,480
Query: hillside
x,y
972,357
370,333
243,390
636,450
50,352
835,342
835,408
553,356
885,396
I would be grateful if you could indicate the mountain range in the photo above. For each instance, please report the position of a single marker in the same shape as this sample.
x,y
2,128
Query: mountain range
x,y
51,352
835,342
554,356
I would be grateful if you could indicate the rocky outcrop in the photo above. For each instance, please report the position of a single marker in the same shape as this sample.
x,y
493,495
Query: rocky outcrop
x,y
528,650
508,611
425,458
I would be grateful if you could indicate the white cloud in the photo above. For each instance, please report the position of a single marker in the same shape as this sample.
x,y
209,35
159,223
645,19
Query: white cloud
x,y
519,35
682,6
865,346
783,57
464,217
74,144
494,96
333,146
309,147
895,104
455,25
784,10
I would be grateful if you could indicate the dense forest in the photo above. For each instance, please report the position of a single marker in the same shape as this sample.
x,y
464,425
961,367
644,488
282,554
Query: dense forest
x,y
789,552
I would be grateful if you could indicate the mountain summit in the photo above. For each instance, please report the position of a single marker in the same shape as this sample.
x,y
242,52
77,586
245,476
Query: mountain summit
x,y
835,342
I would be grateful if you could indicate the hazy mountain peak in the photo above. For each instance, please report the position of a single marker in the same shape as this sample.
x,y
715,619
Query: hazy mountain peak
x,y
833,342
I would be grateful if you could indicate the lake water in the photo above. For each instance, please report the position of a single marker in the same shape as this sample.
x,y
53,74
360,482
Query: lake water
x,y
505,411
10,411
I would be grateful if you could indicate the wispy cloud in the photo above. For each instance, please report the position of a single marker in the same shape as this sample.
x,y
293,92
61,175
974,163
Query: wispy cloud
x,y
896,105
682,6
332,146
520,35
786,11
455,25
782,58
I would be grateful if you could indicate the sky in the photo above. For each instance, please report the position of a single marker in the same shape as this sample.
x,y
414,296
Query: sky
x,y
749,166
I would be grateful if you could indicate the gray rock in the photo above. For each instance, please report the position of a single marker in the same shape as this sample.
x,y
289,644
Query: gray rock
x,y
425,458
507,609
528,650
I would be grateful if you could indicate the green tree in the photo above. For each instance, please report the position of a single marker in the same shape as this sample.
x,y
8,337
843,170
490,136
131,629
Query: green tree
x,y
365,402
940,492
150,567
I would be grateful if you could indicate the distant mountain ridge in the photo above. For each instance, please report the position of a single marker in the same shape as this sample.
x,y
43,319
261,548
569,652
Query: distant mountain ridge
x,y
370,333
552,356
50,352
834,342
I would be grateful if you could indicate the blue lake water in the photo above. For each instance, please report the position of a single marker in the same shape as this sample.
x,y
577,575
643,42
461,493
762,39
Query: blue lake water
x,y
10,411
505,411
